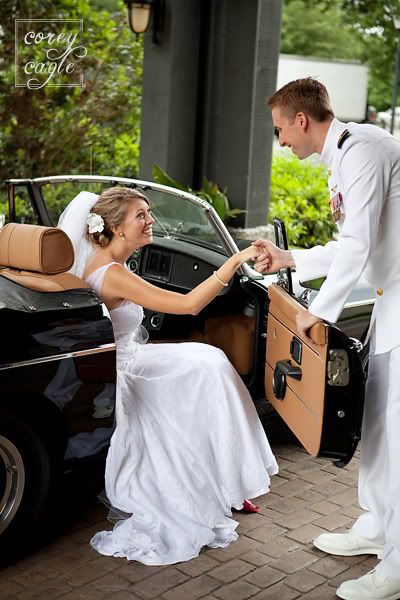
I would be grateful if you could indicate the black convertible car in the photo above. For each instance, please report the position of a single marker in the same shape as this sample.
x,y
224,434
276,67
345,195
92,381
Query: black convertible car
x,y
57,359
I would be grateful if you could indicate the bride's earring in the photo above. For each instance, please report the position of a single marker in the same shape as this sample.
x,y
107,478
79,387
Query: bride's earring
x,y
121,235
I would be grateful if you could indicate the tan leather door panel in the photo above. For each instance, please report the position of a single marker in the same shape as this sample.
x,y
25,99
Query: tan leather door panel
x,y
302,406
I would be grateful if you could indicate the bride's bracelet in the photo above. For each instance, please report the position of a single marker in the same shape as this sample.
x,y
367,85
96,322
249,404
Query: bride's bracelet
x,y
219,279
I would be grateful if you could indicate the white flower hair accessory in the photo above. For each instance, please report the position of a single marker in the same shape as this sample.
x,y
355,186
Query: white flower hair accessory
x,y
95,223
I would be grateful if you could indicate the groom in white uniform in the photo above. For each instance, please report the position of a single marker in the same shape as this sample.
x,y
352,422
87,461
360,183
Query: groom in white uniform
x,y
363,164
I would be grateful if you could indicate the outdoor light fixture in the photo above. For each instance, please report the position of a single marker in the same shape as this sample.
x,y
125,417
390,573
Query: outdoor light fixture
x,y
140,13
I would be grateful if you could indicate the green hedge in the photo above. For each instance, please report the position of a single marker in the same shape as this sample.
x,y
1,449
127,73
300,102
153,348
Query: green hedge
x,y
300,197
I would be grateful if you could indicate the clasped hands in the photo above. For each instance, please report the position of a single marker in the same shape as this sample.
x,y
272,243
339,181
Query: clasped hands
x,y
270,260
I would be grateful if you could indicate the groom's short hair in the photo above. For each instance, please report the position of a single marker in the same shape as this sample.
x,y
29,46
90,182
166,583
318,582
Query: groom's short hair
x,y
306,95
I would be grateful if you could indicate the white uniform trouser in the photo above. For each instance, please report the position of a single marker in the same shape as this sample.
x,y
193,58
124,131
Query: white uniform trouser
x,y
379,472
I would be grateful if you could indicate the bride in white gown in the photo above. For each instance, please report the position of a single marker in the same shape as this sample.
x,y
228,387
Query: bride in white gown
x,y
188,445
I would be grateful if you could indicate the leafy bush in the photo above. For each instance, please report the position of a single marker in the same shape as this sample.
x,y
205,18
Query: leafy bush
x,y
300,197
209,191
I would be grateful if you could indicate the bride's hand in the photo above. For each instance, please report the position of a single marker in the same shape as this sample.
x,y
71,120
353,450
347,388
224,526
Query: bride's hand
x,y
250,253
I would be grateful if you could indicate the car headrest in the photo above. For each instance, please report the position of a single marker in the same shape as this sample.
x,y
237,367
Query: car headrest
x,y
34,248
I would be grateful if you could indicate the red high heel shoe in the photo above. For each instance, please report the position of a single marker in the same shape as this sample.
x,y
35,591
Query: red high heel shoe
x,y
249,507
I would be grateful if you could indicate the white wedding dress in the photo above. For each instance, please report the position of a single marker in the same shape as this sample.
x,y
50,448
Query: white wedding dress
x,y
188,446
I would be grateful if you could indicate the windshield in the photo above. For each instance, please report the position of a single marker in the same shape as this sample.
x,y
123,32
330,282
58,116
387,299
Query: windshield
x,y
174,216
179,218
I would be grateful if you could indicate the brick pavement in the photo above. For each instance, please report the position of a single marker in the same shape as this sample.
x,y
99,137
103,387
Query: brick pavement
x,y
273,558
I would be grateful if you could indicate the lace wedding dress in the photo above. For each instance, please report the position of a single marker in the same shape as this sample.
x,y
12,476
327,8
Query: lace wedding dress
x,y
188,446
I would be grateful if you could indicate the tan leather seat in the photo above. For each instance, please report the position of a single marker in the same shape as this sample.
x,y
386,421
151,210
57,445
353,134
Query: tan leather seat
x,y
38,257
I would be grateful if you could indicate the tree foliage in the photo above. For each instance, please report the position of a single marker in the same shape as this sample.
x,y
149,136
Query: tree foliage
x,y
374,20
315,29
58,130
352,29
300,197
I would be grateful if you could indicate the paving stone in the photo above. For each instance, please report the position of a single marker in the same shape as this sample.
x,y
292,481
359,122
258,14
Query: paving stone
x,y
252,521
294,561
329,566
304,581
232,570
289,475
350,478
332,521
159,583
34,576
10,589
345,497
111,583
351,511
299,469
264,534
310,495
135,571
294,488
64,561
193,589
273,558
89,572
256,558
294,455
279,591
298,518
264,577
355,571
305,533
317,477
288,505
332,488
279,546
324,592
270,513
198,565
324,507
125,595
239,590
88,592
276,481
84,535
243,544
48,589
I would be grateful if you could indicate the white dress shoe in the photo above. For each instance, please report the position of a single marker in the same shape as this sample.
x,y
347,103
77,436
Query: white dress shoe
x,y
347,544
371,586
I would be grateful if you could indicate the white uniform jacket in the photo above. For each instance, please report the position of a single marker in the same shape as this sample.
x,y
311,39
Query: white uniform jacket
x,y
366,171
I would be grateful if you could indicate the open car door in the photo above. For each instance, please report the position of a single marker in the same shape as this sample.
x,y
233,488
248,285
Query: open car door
x,y
318,389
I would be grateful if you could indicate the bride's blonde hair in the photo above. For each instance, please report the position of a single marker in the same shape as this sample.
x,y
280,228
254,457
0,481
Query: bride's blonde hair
x,y
112,206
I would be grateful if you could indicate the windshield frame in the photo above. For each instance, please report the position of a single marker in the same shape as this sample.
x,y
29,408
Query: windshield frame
x,y
35,191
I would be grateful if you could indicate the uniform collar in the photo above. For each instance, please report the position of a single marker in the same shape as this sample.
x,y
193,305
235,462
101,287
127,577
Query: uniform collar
x,y
330,146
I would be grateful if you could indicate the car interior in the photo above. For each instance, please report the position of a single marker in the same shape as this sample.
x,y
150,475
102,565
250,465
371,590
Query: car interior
x,y
228,322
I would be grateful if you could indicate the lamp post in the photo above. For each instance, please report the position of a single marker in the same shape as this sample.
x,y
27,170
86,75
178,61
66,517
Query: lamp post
x,y
140,14
396,22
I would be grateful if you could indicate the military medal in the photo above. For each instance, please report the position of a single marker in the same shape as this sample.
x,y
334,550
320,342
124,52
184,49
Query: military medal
x,y
336,204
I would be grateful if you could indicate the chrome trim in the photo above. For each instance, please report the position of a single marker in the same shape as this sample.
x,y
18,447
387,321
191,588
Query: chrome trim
x,y
45,359
358,303
15,482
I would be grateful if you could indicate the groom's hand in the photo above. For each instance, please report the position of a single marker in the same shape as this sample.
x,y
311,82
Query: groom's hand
x,y
304,321
272,258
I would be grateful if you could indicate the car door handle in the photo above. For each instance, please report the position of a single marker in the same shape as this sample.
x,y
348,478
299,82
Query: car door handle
x,y
284,369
